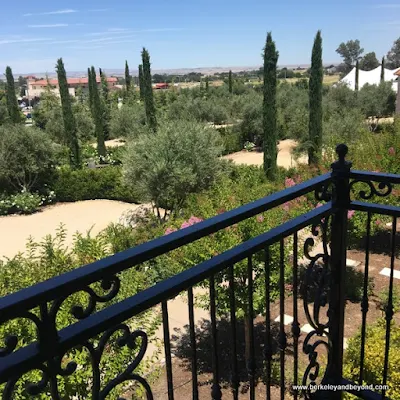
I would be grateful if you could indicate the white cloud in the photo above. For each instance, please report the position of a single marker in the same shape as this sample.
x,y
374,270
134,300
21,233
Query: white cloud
x,y
48,26
23,40
66,11
85,47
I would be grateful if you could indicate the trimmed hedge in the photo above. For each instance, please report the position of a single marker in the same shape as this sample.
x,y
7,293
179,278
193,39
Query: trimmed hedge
x,y
91,184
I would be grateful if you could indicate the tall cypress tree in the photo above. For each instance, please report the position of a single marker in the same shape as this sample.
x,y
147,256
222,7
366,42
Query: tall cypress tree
x,y
105,100
207,85
383,70
315,99
127,77
90,86
11,97
68,117
357,75
230,82
269,107
98,115
148,91
141,83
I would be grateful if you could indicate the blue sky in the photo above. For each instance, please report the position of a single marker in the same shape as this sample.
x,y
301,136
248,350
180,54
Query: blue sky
x,y
186,33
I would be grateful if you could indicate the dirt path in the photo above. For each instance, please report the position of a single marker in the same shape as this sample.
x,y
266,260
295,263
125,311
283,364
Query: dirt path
x,y
285,157
79,216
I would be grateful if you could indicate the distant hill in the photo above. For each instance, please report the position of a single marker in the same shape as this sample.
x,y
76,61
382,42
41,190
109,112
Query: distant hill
x,y
177,71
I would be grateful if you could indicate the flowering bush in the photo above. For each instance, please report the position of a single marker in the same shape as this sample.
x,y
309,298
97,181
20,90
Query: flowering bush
x,y
24,202
249,146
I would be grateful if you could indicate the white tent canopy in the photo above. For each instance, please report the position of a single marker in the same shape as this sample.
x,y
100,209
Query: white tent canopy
x,y
372,77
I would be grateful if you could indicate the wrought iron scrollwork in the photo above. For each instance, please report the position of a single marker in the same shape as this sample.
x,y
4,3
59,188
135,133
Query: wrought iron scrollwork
x,y
384,189
315,288
53,368
324,192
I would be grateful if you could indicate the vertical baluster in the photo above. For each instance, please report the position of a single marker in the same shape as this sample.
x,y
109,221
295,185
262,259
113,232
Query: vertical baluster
x,y
167,349
235,377
268,344
250,322
216,389
282,335
389,309
364,303
295,324
195,390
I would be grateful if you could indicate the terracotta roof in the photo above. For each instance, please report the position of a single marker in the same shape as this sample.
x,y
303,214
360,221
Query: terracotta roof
x,y
397,72
71,81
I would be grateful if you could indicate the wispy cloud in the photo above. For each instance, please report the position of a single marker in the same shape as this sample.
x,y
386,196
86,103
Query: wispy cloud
x,y
85,47
119,30
22,40
65,11
48,26
392,5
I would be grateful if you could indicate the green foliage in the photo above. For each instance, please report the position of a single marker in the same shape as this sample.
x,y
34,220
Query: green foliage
x,y
269,108
315,98
128,78
369,62
148,92
27,157
350,52
50,258
377,100
141,82
374,358
393,56
90,184
68,117
128,121
383,299
182,158
98,114
24,202
231,140
230,82
105,104
12,102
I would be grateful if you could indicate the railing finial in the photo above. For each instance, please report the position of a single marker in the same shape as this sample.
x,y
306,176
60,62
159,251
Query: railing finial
x,y
341,151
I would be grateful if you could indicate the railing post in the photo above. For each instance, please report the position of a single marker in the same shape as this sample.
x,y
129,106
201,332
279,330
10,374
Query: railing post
x,y
340,202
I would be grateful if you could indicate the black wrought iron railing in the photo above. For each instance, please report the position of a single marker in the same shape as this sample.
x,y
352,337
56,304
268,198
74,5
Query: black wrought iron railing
x,y
322,346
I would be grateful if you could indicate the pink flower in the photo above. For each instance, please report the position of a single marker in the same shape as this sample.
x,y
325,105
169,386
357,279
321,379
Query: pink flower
x,y
289,182
350,214
185,225
286,206
221,211
260,218
170,230
319,205
378,222
194,220
392,151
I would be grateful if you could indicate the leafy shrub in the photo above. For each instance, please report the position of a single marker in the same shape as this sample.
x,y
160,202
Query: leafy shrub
x,y
27,157
231,140
51,258
179,159
127,121
374,358
89,184
24,202
383,299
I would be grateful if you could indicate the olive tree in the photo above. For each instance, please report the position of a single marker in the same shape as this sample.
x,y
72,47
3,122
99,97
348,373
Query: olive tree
x,y
166,166
27,156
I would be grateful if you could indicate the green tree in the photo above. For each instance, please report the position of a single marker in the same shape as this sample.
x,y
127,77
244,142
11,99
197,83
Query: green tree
x,y
315,98
180,158
27,157
128,121
269,107
128,78
148,91
357,76
383,70
12,102
68,117
393,56
90,86
350,52
230,82
369,62
207,85
98,115
141,82
105,100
